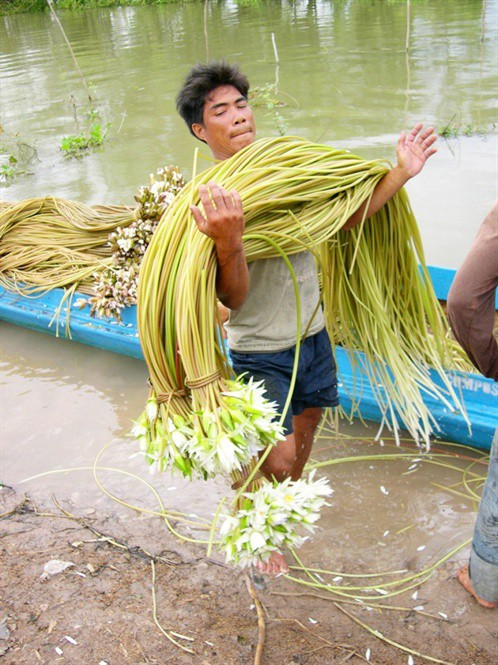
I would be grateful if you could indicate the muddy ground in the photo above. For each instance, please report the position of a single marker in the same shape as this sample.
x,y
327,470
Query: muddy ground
x,y
103,602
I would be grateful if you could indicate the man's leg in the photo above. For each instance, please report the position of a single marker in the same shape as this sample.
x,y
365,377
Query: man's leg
x,y
278,466
281,459
304,425
288,458
480,577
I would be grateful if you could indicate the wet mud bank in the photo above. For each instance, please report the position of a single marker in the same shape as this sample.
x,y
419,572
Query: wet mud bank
x,y
100,609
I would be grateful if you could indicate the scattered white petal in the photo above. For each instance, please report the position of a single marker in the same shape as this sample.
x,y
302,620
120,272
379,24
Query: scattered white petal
x,y
382,592
359,600
76,572
383,490
422,547
337,579
170,489
58,651
445,616
381,443
71,640
102,662
386,533
55,567
252,606
410,660
209,643
413,466
419,608
415,595
368,608
319,577
367,654
312,620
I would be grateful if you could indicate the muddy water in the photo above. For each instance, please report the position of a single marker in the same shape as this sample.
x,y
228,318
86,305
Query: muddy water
x,y
351,84
343,70
63,402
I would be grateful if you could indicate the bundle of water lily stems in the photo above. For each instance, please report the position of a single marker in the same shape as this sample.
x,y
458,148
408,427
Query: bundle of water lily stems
x,y
296,195
49,243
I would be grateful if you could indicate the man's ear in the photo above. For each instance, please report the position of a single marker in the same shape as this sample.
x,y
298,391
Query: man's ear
x,y
199,130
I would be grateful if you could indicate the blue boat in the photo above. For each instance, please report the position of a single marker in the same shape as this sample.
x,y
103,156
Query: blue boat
x,y
480,395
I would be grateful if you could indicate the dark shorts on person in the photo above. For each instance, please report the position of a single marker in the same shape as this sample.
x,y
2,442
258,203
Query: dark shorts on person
x,y
316,381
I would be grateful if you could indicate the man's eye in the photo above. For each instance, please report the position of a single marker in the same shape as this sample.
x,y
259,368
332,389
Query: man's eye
x,y
219,113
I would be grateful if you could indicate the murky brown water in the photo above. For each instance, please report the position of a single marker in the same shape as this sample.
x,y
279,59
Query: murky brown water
x,y
355,87
343,63
63,402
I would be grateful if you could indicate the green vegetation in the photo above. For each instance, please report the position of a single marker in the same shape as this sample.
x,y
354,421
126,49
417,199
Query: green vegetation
x,y
18,6
453,129
15,156
10,169
266,97
75,146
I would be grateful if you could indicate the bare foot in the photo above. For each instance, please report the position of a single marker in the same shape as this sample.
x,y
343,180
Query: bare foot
x,y
464,579
275,565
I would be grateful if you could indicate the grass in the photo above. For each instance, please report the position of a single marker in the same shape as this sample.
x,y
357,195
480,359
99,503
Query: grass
x,y
21,6
453,129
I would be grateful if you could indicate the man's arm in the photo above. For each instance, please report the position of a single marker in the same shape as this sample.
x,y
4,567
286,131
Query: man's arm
x,y
412,153
224,223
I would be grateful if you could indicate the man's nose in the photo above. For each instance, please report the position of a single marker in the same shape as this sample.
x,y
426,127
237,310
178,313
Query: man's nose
x,y
239,116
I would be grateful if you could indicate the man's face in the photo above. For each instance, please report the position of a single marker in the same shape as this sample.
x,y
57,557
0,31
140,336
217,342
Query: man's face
x,y
228,122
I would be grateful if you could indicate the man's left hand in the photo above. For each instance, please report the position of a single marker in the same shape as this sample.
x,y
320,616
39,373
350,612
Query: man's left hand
x,y
415,149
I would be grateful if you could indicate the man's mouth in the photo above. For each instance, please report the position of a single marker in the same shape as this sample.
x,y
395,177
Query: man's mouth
x,y
247,131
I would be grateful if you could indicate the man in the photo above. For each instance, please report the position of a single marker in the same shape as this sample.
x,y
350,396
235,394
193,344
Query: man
x,y
261,324
471,312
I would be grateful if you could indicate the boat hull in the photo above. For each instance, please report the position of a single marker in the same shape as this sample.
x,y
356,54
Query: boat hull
x,y
480,395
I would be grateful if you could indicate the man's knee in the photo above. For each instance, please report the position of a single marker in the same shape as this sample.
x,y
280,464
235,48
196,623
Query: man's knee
x,y
280,461
308,419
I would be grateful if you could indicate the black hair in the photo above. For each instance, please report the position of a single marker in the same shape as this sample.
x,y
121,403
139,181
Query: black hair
x,y
200,81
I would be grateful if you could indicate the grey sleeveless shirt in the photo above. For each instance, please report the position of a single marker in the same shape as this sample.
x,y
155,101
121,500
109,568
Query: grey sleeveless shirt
x,y
267,322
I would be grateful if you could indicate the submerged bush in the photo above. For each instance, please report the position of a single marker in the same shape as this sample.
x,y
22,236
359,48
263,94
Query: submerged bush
x,y
18,6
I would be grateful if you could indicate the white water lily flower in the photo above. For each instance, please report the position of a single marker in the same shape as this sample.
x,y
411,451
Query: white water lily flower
x,y
226,454
230,523
257,540
270,519
151,410
138,430
179,439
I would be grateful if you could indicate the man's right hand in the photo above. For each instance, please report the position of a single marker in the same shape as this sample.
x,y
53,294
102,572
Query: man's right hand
x,y
223,220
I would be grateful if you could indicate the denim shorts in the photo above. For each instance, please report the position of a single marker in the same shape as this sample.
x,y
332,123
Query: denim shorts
x,y
316,381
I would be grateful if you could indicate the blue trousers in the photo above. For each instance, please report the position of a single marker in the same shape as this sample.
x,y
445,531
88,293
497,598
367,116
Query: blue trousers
x,y
483,564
